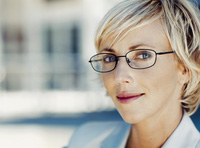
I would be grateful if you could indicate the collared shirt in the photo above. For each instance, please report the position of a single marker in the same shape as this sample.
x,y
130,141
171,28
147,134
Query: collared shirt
x,y
115,135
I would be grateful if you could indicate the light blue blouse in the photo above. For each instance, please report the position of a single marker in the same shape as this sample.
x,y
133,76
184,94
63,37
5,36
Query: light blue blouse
x,y
115,135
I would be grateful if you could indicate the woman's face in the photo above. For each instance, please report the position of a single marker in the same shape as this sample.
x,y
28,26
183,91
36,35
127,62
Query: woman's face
x,y
146,93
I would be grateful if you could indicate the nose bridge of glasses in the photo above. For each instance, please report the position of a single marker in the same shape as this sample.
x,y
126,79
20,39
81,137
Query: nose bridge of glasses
x,y
122,74
127,60
118,61
120,57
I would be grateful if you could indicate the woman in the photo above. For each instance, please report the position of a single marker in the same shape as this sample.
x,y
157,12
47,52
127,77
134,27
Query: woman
x,y
149,60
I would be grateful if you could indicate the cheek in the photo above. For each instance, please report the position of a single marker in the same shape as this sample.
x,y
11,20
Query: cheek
x,y
161,79
108,81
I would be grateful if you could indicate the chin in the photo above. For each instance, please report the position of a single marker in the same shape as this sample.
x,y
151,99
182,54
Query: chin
x,y
131,118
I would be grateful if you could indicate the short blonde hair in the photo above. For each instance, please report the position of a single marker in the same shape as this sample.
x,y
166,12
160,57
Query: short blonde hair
x,y
181,22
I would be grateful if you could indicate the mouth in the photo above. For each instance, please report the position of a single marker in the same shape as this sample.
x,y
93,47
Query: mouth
x,y
126,98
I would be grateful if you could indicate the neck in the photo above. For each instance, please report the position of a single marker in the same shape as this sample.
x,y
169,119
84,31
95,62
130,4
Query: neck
x,y
153,132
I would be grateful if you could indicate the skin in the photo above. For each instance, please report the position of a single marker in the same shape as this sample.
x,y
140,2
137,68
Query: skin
x,y
156,114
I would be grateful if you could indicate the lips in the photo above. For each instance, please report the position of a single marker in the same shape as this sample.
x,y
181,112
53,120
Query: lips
x,y
128,97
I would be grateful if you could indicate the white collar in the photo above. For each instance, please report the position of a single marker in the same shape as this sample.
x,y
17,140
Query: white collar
x,y
115,135
185,135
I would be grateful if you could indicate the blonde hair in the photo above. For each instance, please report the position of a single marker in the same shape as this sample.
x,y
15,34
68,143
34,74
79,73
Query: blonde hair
x,y
181,22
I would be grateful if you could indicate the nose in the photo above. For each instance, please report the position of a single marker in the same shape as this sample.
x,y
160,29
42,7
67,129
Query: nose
x,y
123,72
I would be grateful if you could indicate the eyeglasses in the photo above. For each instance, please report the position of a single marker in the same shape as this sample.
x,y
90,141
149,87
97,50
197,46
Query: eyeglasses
x,y
136,59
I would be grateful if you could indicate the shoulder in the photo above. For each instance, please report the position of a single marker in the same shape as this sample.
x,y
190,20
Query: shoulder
x,y
185,135
198,144
95,133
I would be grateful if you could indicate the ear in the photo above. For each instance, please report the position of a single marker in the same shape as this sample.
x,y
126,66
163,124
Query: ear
x,y
183,74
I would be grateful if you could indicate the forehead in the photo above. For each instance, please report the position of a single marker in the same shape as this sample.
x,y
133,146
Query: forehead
x,y
150,35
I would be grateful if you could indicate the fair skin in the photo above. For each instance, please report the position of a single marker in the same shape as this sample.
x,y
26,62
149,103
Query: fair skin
x,y
157,111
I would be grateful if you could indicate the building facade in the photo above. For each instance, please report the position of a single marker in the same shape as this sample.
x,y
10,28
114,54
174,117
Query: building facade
x,y
46,44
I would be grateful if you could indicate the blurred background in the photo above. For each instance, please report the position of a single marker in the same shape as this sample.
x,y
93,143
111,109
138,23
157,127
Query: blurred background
x,y
47,87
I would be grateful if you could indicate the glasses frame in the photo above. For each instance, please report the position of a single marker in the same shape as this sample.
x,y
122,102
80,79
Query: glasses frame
x,y
117,59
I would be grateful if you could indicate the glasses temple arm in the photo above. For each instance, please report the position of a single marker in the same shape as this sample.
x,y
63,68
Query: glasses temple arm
x,y
161,53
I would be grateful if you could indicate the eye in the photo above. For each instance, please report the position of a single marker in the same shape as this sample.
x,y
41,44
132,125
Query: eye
x,y
109,58
143,55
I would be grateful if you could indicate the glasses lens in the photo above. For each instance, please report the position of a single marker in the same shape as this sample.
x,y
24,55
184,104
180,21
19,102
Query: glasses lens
x,y
140,59
103,62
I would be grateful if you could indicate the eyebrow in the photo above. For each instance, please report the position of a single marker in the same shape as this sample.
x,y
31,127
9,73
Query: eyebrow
x,y
107,49
130,48
136,46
